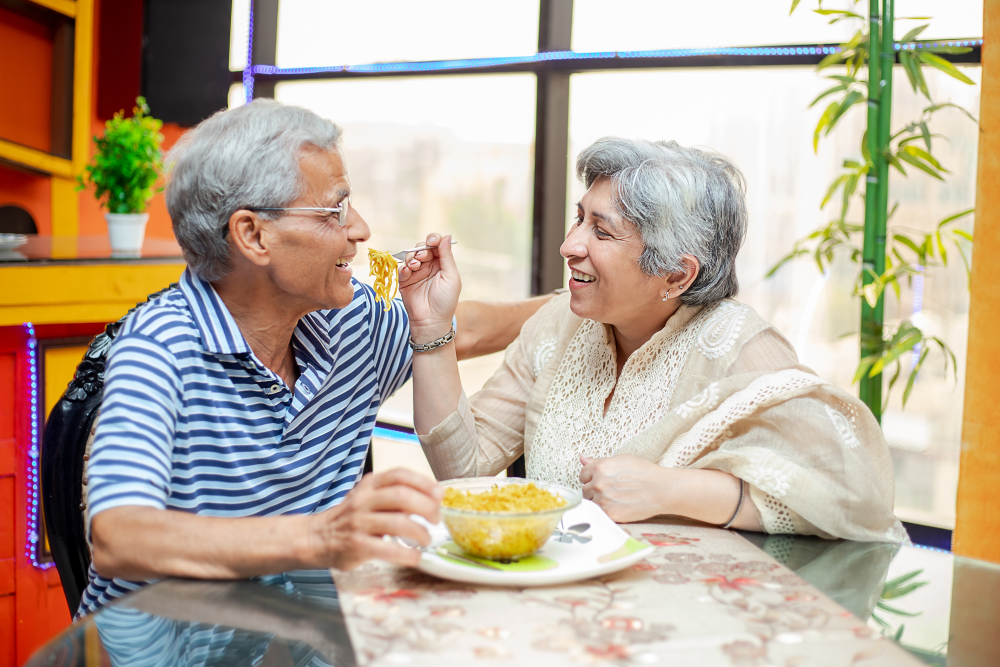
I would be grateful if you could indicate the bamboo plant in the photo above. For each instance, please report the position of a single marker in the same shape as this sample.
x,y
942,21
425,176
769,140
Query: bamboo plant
x,y
885,254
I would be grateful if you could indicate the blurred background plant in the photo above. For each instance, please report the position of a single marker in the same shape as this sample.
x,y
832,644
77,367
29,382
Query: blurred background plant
x,y
128,161
907,252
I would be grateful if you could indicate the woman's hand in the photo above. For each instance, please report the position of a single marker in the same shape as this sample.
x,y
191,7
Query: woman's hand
x,y
430,284
626,487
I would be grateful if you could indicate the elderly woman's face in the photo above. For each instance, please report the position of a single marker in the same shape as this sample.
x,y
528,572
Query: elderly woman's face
x,y
602,251
310,253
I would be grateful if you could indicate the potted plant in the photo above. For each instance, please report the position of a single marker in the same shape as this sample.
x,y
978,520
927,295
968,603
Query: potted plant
x,y
124,173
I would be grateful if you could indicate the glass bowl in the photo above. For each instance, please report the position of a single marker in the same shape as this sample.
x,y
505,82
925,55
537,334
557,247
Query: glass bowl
x,y
503,535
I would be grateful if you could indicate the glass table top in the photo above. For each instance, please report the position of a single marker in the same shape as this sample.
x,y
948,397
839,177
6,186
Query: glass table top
x,y
83,250
941,608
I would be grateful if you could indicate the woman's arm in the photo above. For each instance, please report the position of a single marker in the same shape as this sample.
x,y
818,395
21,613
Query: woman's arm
x,y
629,489
485,327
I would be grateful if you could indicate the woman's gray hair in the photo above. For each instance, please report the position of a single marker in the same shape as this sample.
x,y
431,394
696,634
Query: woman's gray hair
x,y
682,200
247,157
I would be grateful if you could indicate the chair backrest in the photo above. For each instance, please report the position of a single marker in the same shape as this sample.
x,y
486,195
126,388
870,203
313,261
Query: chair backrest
x,y
63,462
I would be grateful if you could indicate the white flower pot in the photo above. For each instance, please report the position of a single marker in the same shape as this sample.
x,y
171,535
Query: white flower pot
x,y
126,231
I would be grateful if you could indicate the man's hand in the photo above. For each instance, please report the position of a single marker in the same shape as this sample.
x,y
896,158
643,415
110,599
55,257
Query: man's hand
x,y
381,504
626,487
429,284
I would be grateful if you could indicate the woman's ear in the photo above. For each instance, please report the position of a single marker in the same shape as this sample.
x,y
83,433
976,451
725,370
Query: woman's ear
x,y
246,233
678,283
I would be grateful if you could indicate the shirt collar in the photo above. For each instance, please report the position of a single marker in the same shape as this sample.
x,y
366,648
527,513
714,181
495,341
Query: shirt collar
x,y
219,333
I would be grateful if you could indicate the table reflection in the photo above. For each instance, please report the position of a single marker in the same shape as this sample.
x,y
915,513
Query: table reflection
x,y
288,619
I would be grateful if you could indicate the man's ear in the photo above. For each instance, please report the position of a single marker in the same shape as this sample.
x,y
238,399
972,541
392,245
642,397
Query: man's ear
x,y
246,234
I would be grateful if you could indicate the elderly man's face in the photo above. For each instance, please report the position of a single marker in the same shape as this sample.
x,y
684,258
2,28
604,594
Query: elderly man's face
x,y
310,253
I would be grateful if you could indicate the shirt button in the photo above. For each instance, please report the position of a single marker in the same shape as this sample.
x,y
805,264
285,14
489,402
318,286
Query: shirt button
x,y
274,389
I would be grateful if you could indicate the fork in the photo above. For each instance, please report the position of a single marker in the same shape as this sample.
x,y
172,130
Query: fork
x,y
401,255
443,553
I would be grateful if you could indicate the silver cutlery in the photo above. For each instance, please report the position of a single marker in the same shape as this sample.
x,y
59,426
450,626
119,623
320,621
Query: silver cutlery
x,y
401,255
444,553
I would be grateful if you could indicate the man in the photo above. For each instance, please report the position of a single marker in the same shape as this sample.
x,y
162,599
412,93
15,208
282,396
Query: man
x,y
238,409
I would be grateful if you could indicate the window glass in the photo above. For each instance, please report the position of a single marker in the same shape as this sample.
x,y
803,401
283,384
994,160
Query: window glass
x,y
673,24
439,154
314,33
758,118
239,35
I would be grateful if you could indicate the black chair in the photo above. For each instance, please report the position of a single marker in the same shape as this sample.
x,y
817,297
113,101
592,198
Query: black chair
x,y
64,446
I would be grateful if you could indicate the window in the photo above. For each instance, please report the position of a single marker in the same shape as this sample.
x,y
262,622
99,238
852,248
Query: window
x,y
451,147
450,155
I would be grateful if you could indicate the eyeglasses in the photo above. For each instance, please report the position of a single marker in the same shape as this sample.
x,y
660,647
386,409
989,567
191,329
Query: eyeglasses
x,y
341,210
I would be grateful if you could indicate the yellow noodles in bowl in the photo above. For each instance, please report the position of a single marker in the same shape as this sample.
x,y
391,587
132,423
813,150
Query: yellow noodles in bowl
x,y
506,498
503,519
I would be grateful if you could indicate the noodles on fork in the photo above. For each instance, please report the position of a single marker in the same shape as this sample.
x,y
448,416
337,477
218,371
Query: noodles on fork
x,y
383,266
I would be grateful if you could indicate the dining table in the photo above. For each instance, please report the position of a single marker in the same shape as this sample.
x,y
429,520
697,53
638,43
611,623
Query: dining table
x,y
702,596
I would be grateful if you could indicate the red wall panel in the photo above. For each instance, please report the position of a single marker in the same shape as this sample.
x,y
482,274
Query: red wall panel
x,y
26,88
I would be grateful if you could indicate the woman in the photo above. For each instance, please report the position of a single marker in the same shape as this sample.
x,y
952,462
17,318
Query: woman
x,y
650,387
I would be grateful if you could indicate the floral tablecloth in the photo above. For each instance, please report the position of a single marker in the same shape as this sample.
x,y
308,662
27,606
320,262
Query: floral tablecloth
x,y
705,597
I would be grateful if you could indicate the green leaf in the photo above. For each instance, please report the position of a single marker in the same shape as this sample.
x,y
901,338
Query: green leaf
x,y
885,406
795,3
849,100
926,134
843,13
913,378
832,189
909,341
899,633
923,155
898,612
905,590
871,292
824,120
934,108
908,242
830,60
831,91
956,216
964,234
846,80
952,50
912,35
941,249
943,65
891,159
894,584
905,157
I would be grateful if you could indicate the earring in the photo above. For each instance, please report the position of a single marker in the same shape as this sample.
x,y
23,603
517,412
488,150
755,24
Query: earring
x,y
667,295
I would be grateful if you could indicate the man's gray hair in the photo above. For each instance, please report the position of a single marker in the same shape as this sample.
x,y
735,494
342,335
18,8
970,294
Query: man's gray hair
x,y
247,157
681,200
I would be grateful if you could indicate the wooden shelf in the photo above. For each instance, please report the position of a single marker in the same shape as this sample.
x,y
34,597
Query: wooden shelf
x,y
66,7
35,159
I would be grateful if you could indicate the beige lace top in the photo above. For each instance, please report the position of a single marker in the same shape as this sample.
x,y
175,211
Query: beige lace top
x,y
716,388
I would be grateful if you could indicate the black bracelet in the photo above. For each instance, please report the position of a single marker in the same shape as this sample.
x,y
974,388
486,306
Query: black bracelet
x,y
739,506
434,344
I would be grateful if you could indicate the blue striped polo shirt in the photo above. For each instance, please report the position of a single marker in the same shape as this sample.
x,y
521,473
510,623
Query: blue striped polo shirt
x,y
191,420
